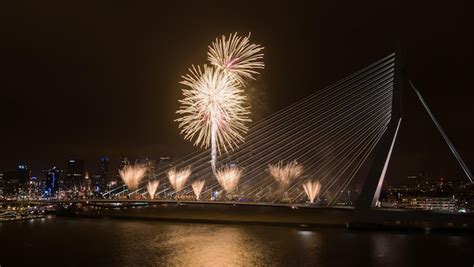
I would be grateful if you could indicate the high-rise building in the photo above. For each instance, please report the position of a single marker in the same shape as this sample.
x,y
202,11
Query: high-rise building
x,y
95,178
51,178
103,173
88,182
36,187
74,174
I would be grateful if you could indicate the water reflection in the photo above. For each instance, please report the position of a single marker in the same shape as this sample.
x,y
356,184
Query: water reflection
x,y
223,246
215,245
150,243
387,247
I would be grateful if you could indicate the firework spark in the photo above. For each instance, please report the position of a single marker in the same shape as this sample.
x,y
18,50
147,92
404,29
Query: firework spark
x,y
312,189
228,178
132,175
152,187
197,188
284,174
213,110
178,178
237,56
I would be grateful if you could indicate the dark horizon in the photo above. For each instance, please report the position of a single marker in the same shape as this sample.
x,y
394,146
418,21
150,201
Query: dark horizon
x,y
91,80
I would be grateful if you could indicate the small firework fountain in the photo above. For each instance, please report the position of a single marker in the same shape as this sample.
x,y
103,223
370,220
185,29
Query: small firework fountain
x,y
312,189
197,188
152,187
132,175
228,178
178,178
285,174
213,111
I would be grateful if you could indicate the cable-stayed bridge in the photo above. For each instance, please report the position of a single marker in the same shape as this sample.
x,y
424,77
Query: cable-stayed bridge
x,y
331,134
339,134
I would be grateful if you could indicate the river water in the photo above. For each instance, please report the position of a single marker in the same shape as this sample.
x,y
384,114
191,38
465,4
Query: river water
x,y
105,242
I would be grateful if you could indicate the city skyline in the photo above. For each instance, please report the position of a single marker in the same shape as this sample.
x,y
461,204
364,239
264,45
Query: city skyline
x,y
78,107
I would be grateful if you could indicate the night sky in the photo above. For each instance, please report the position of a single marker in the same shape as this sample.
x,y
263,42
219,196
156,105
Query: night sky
x,y
85,80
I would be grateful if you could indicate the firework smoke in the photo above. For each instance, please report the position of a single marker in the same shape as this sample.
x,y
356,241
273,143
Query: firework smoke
x,y
178,178
152,187
312,189
284,174
197,188
228,178
132,175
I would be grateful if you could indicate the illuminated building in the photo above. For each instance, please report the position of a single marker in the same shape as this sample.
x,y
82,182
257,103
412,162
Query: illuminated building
x,y
87,182
447,204
74,175
95,185
52,177
103,173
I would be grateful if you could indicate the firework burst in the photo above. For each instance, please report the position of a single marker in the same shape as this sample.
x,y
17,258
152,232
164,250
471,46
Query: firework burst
x,y
152,187
284,174
213,111
312,189
237,56
228,178
197,188
132,175
178,178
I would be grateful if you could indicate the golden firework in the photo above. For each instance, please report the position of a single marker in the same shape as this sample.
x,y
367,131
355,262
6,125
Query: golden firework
x,y
132,175
284,174
178,178
213,111
237,56
229,177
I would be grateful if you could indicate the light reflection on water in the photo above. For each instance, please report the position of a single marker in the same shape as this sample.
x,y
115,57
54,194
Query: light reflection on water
x,y
221,247
80,242
197,245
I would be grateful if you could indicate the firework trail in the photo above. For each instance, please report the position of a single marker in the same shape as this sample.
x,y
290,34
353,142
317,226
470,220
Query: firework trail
x,y
213,110
152,187
228,178
132,175
237,56
178,178
197,188
312,189
285,174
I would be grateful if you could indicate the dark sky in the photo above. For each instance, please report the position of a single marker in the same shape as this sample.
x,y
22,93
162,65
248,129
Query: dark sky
x,y
82,80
